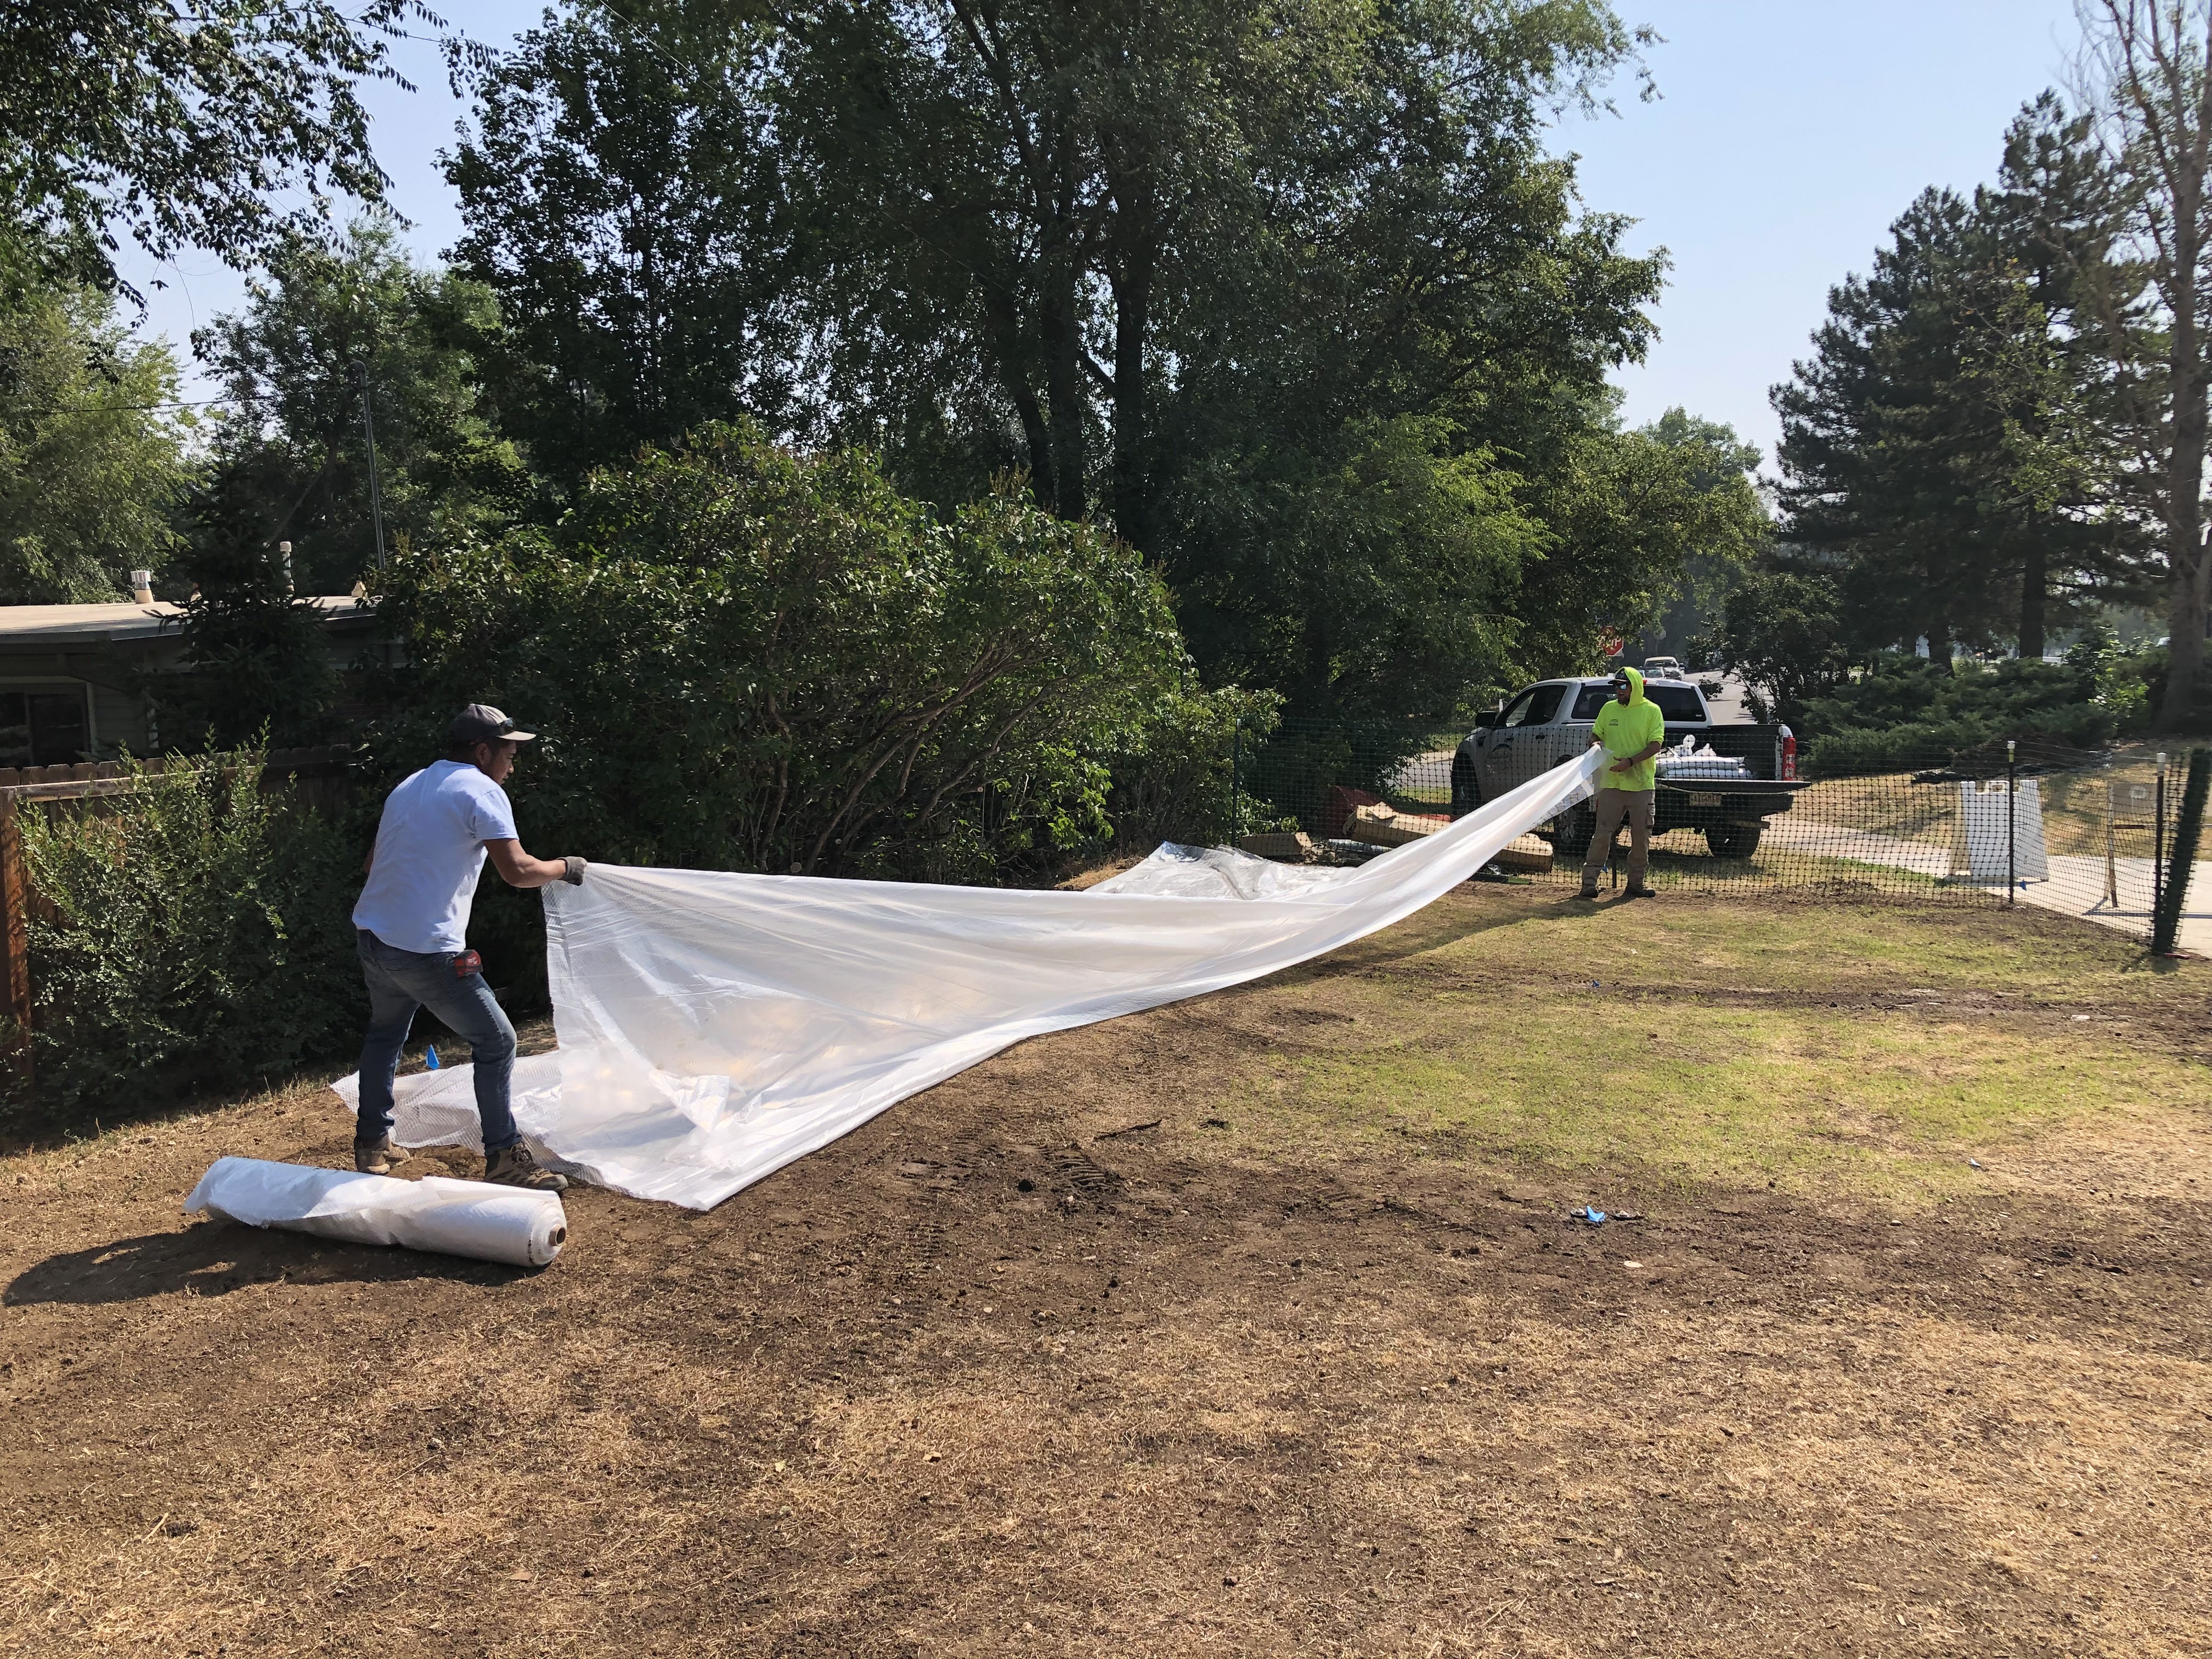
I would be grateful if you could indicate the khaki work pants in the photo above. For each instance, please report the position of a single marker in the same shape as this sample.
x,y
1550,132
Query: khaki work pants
x,y
1612,806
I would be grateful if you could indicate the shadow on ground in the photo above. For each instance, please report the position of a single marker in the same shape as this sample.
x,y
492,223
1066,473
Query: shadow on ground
x,y
217,1257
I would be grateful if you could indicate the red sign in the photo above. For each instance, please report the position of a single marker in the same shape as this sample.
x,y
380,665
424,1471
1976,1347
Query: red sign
x,y
1609,644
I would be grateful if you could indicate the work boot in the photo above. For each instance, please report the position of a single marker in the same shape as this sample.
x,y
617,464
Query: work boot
x,y
1639,892
517,1166
376,1157
1587,893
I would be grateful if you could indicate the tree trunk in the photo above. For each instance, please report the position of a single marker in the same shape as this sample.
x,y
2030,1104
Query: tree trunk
x,y
2184,511
2184,647
1134,484
1013,373
2034,582
1059,330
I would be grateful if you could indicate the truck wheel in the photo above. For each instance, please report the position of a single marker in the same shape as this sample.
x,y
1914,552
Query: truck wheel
x,y
1733,840
1466,788
1575,831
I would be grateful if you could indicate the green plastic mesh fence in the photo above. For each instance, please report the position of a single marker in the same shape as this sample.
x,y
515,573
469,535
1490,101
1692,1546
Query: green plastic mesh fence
x,y
1737,810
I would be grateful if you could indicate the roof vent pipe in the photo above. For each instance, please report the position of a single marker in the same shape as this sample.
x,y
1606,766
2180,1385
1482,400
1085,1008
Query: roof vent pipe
x,y
142,588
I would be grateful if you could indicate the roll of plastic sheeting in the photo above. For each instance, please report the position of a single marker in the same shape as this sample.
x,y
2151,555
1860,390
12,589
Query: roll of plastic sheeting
x,y
475,1219
715,1026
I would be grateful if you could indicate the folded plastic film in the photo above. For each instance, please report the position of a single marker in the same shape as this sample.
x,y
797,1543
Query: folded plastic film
x,y
522,1228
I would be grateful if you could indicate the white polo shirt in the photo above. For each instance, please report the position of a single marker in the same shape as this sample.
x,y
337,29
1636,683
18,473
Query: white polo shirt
x,y
429,853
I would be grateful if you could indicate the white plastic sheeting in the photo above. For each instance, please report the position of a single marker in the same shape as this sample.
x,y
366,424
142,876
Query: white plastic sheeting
x,y
460,1218
715,1027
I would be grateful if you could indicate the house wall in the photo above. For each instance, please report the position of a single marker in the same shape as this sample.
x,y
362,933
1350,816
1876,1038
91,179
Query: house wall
x,y
119,717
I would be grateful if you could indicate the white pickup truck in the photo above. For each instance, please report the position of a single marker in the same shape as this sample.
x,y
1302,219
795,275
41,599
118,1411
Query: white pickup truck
x,y
1749,776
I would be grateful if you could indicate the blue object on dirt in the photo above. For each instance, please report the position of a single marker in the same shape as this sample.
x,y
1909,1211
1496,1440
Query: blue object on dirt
x,y
1595,1217
429,1058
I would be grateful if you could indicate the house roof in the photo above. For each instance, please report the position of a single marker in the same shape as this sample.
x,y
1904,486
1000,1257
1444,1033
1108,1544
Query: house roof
x,y
52,626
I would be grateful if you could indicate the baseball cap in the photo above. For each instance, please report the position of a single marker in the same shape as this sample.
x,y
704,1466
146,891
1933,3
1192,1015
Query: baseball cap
x,y
481,723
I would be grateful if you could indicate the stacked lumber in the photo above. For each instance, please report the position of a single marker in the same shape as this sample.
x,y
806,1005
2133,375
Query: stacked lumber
x,y
1385,826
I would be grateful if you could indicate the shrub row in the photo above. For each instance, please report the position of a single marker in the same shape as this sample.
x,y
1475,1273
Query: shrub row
x,y
739,659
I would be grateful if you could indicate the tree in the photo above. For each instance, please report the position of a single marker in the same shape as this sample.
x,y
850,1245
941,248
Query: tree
x,y
92,467
254,669
1716,469
741,657
291,441
1376,575
1289,295
1654,523
1782,631
1126,216
2146,73
2063,477
620,198
1879,443
180,125
1950,445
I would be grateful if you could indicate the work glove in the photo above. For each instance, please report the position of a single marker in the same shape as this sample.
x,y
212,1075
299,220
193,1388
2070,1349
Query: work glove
x,y
575,873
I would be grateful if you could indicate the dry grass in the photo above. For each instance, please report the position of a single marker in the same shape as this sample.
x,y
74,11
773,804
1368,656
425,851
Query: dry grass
x,y
1283,1375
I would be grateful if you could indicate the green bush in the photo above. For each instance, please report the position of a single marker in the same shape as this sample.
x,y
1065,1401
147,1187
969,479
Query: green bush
x,y
744,658
1175,773
191,931
1910,712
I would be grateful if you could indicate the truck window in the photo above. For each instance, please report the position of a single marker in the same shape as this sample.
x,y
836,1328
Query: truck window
x,y
1676,702
1517,712
1538,707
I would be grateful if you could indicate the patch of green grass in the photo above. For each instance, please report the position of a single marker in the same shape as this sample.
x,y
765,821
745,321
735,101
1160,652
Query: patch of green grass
x,y
1706,1052
1810,1101
1802,946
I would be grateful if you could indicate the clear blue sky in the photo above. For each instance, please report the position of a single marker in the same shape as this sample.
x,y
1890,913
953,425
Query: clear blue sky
x,y
1788,135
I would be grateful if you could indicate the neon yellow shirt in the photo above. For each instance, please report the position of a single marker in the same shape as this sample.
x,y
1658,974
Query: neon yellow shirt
x,y
1625,729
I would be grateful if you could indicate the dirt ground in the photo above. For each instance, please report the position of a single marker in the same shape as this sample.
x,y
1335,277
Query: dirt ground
x,y
1172,1336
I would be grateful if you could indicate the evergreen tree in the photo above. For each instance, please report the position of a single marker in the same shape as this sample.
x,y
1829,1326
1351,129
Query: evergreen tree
x,y
1948,448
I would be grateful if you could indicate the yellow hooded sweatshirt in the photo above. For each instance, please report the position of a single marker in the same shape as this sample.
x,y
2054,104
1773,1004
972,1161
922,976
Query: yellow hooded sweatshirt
x,y
1625,729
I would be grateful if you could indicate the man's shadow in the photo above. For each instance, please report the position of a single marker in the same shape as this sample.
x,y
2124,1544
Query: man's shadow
x,y
215,1258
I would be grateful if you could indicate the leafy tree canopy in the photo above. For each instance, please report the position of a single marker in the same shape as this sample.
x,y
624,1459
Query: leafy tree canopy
x,y
1289,294
621,195
293,444
91,470
180,124
740,656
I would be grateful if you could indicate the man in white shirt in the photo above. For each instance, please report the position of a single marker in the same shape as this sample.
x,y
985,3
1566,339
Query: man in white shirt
x,y
413,921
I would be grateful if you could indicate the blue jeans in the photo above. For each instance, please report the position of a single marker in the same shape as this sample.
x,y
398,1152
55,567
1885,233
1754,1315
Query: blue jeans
x,y
399,983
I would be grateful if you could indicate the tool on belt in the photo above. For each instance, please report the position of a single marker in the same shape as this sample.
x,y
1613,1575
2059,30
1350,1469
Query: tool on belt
x,y
467,964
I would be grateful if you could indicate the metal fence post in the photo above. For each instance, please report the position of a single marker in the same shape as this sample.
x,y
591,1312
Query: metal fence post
x,y
2012,816
2165,925
2157,846
1236,783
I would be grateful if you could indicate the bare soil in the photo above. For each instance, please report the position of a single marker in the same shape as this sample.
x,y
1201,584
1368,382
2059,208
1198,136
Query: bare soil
x,y
1051,1360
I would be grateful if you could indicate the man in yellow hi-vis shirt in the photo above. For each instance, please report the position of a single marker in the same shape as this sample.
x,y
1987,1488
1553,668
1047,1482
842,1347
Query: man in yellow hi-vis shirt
x,y
1631,731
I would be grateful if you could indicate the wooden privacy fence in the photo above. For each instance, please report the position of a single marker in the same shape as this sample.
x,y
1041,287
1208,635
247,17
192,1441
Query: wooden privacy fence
x,y
319,778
